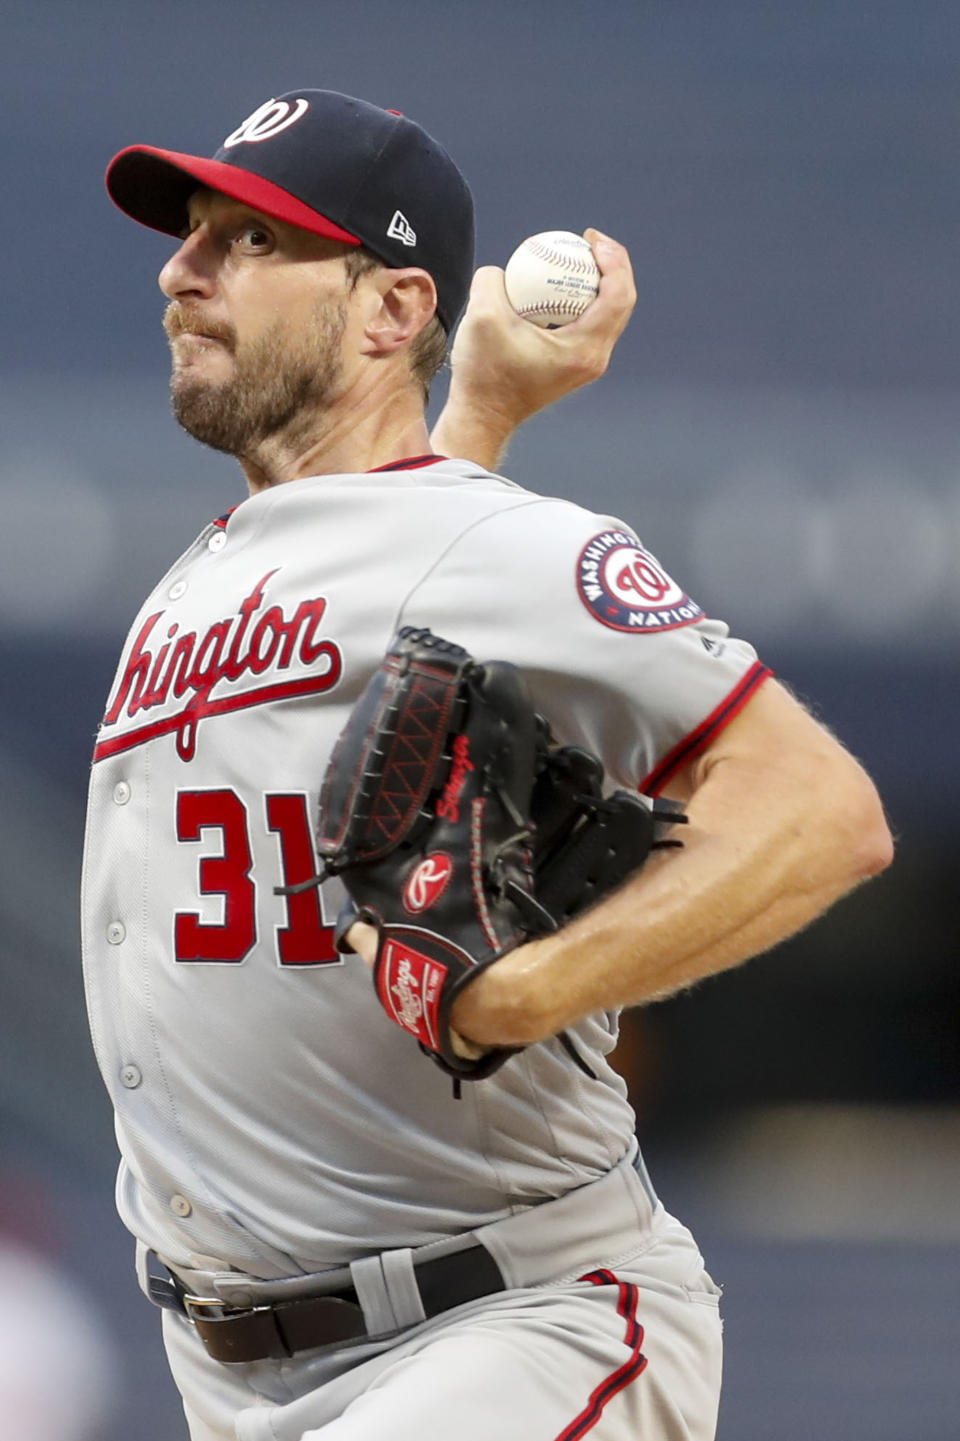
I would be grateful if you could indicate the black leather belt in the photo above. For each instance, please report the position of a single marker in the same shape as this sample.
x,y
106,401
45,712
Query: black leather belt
x,y
259,1333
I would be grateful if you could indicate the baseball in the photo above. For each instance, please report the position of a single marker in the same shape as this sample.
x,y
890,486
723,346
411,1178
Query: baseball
x,y
551,278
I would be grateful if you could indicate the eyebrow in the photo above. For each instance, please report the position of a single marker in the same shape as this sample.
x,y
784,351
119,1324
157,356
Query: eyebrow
x,y
230,207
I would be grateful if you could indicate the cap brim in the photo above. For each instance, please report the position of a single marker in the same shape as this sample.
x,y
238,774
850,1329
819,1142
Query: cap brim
x,y
154,187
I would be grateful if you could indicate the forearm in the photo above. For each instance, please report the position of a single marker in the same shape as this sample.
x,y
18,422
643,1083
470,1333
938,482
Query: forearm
x,y
766,850
471,431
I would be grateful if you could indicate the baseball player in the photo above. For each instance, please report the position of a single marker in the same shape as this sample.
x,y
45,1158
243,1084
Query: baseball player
x,y
341,1245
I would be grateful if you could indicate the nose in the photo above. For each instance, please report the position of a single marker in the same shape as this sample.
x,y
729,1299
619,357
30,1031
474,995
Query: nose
x,y
190,271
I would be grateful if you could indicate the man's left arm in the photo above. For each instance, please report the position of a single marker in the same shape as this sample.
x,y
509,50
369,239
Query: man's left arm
x,y
782,822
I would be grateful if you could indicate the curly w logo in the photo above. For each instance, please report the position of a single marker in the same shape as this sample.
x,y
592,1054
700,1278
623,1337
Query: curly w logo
x,y
269,119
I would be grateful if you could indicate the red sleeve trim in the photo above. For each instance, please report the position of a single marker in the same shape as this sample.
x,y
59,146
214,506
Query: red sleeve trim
x,y
695,742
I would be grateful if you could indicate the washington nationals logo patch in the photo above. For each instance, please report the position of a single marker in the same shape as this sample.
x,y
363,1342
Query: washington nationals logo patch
x,y
625,587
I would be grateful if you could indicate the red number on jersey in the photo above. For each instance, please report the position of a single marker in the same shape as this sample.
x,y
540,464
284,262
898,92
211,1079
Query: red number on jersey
x,y
227,875
305,941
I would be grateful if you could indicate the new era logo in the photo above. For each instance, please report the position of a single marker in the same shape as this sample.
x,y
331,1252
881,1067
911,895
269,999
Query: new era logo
x,y
401,229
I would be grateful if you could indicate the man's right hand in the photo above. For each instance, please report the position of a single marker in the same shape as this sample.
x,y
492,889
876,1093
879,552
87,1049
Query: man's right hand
x,y
504,368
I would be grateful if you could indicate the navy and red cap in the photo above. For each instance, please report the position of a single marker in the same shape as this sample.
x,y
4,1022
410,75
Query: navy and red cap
x,y
329,164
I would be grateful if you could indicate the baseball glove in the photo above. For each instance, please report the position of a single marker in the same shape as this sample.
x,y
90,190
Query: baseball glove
x,y
461,831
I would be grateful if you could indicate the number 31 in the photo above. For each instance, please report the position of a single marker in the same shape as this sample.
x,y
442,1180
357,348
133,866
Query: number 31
x,y
304,940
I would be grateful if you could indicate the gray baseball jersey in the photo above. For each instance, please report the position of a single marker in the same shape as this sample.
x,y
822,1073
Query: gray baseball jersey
x,y
270,1117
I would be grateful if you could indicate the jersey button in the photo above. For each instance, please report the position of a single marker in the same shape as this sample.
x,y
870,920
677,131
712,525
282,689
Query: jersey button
x,y
116,933
217,541
131,1077
178,589
180,1206
121,793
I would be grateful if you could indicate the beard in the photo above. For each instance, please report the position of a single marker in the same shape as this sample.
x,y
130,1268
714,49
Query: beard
x,y
278,384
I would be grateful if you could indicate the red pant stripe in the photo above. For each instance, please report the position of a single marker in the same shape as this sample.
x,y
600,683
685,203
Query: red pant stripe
x,y
611,1385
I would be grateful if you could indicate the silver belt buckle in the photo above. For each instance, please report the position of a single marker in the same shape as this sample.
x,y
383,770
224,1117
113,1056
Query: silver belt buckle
x,y
203,1304
249,1333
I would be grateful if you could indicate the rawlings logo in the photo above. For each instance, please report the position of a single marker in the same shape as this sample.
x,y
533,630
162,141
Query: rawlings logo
x,y
448,806
409,986
427,883
409,1007
194,665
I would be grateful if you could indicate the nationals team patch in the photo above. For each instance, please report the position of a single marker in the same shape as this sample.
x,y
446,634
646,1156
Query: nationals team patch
x,y
624,587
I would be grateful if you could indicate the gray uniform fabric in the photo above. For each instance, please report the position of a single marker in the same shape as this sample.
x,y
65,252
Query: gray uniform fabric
x,y
271,1121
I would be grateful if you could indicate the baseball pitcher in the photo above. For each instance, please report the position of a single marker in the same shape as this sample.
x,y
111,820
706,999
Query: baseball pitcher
x,y
408,781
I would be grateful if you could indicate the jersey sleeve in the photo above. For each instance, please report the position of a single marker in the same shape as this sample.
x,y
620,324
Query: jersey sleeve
x,y
619,657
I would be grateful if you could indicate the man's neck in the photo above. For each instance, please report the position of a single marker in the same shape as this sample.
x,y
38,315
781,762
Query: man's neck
x,y
360,432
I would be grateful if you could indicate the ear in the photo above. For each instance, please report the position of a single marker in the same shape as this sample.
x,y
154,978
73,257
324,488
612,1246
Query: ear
x,y
407,302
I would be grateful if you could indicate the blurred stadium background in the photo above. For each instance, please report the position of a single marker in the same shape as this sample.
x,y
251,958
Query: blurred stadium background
x,y
781,424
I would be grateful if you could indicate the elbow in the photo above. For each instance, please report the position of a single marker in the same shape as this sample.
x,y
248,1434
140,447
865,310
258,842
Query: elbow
x,y
875,851
864,835
878,850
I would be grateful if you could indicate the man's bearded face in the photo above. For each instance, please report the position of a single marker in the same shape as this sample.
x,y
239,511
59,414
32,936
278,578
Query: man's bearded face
x,y
280,376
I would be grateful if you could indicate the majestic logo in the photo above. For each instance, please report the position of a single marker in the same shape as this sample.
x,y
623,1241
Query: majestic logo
x,y
187,666
401,229
427,883
267,120
625,587
448,806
